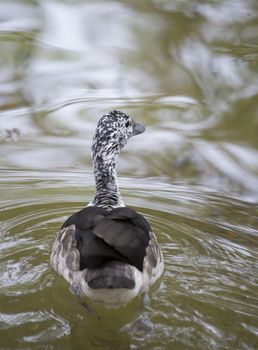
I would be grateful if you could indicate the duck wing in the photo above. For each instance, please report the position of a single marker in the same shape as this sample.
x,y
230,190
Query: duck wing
x,y
127,232
120,234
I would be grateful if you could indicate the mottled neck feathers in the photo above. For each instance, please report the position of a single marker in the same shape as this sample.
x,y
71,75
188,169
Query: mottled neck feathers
x,y
113,131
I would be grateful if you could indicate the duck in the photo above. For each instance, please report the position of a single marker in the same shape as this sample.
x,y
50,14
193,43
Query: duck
x,y
107,251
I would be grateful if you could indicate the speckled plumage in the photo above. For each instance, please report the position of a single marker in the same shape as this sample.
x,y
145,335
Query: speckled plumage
x,y
107,251
113,131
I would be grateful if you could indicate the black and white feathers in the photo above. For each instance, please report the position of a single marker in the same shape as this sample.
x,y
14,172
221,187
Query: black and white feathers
x,y
108,251
113,131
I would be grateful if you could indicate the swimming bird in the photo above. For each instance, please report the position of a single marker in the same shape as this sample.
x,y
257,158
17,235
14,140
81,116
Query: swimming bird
x,y
107,251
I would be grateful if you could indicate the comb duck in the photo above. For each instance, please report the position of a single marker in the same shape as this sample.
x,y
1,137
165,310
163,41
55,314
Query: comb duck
x,y
107,251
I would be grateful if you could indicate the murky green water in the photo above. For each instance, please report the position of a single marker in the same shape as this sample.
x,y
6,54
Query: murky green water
x,y
189,71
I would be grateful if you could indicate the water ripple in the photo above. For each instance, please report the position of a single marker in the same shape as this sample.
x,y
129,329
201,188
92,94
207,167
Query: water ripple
x,y
210,263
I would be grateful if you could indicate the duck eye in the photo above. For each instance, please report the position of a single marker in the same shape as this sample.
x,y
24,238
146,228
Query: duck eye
x,y
127,124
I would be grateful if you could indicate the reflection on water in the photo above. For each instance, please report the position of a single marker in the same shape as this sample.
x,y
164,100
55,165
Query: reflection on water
x,y
188,70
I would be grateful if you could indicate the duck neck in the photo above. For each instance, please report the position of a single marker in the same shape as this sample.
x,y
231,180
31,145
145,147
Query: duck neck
x,y
107,191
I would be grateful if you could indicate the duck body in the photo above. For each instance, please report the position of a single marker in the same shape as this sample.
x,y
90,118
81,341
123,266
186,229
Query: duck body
x,y
109,256
107,251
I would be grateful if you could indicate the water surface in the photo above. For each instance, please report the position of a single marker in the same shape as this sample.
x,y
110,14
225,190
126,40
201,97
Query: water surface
x,y
188,71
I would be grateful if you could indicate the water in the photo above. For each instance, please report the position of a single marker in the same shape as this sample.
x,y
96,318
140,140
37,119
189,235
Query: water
x,y
188,71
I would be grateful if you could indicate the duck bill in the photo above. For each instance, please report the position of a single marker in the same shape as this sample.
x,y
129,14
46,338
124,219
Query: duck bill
x,y
138,129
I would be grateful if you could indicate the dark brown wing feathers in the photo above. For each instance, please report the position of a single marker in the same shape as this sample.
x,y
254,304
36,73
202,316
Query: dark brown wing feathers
x,y
102,236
